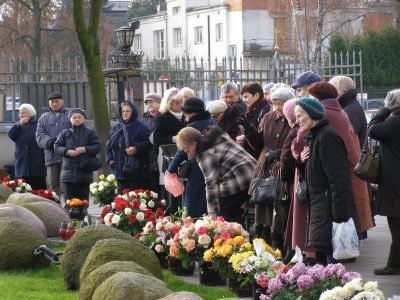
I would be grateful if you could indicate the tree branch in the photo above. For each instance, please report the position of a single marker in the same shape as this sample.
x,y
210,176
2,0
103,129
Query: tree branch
x,y
341,25
24,3
80,26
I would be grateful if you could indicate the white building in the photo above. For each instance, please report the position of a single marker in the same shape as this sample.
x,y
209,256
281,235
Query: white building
x,y
206,28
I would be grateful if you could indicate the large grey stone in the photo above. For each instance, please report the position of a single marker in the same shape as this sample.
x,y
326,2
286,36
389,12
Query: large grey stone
x,y
17,241
23,198
78,248
182,296
5,192
51,215
131,286
24,215
96,277
116,249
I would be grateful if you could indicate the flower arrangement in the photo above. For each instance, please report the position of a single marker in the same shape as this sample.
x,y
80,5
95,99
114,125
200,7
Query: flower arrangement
x,y
104,191
48,194
75,202
354,290
17,185
132,210
301,281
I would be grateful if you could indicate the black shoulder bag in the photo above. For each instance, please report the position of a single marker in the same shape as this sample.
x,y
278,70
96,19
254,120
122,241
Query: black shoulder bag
x,y
367,167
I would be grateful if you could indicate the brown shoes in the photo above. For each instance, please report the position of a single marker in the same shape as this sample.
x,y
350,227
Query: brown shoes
x,y
387,271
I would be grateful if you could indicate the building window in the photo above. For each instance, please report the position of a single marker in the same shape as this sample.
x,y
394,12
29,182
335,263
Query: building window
x,y
198,35
159,44
218,32
177,37
176,10
137,42
232,50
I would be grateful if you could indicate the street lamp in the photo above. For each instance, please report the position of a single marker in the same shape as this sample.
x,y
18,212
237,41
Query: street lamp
x,y
125,35
299,11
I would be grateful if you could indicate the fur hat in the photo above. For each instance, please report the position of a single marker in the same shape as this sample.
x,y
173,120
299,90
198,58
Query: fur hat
x,y
216,107
305,79
322,90
343,83
193,105
76,111
54,95
288,109
312,107
282,93
152,97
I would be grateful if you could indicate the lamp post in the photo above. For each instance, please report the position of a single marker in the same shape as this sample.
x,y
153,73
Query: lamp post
x,y
299,11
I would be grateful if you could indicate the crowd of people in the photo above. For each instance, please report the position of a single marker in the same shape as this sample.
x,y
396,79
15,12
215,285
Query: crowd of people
x,y
310,133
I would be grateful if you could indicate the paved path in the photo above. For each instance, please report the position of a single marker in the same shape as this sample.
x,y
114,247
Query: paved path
x,y
373,254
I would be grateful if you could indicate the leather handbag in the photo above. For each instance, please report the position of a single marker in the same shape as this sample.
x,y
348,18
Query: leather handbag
x,y
131,165
88,163
301,192
367,167
266,189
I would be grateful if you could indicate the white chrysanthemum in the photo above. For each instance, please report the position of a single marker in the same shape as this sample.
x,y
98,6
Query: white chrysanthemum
x,y
113,205
151,204
18,189
107,218
140,216
370,285
106,183
142,206
154,195
327,295
125,197
93,191
110,178
132,194
115,219
28,188
128,211
93,185
163,202
101,188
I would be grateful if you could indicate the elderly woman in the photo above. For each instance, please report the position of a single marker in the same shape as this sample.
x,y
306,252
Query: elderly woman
x,y
73,144
226,166
328,179
217,109
29,158
269,138
127,150
385,127
195,193
185,93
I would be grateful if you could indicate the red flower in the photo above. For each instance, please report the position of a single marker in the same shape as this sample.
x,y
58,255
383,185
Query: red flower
x,y
120,204
135,204
125,191
132,218
137,191
176,229
148,213
104,211
159,212
152,219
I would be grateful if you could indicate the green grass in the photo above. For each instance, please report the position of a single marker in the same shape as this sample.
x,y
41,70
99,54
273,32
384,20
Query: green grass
x,y
47,284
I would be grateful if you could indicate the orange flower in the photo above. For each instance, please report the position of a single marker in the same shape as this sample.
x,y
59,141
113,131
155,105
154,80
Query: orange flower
x,y
190,245
173,251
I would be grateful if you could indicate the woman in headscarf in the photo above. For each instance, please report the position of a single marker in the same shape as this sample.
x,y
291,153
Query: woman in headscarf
x,y
127,150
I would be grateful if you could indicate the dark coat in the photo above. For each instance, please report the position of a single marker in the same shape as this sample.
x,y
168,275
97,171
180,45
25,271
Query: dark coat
x,y
288,163
329,184
165,127
195,191
29,157
353,109
72,138
138,135
229,120
148,119
385,127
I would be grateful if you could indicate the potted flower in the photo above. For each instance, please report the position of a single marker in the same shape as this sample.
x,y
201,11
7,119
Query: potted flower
x,y
17,185
104,191
132,210
77,208
354,290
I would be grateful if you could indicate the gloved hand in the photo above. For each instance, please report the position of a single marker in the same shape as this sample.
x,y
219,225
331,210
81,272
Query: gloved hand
x,y
391,101
50,144
242,120
271,156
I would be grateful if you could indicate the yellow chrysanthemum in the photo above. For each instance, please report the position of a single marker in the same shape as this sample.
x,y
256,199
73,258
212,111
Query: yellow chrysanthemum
x,y
247,246
225,250
278,253
237,258
229,242
238,240
269,249
218,242
208,255
216,249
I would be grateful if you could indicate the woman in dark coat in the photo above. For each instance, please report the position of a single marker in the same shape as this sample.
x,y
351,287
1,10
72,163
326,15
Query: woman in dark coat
x,y
195,192
385,127
328,180
72,144
127,150
269,138
257,107
29,158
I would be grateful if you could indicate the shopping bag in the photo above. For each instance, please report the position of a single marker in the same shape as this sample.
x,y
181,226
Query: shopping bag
x,y
344,240
173,184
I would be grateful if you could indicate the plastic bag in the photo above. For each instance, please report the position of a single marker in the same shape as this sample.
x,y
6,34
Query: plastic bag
x,y
173,184
345,240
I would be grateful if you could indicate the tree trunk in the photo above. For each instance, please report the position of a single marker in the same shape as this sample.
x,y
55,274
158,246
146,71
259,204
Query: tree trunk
x,y
320,27
87,36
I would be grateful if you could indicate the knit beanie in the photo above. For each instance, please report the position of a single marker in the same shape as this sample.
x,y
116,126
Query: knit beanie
x,y
193,105
322,90
343,83
312,107
152,97
305,79
282,93
288,109
216,107
76,111
268,86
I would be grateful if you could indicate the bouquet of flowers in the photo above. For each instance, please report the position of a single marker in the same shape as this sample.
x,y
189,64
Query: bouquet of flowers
x,y
48,194
18,185
354,290
301,281
75,202
104,191
132,210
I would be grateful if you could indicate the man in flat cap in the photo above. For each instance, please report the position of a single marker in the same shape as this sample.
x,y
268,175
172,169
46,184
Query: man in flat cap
x,y
50,124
